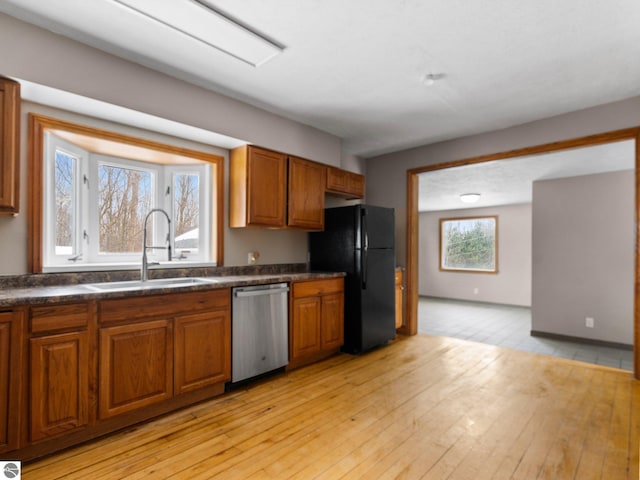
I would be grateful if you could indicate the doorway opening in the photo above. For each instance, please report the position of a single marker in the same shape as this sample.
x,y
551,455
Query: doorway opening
x,y
413,216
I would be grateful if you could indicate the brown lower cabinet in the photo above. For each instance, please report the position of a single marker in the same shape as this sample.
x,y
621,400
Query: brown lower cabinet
x,y
316,322
202,350
135,366
161,347
59,384
59,370
94,367
11,325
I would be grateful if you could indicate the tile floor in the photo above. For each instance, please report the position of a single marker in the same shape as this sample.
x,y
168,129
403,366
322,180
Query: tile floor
x,y
507,326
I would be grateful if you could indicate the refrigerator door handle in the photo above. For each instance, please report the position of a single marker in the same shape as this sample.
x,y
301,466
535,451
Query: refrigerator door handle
x,y
364,261
365,231
365,248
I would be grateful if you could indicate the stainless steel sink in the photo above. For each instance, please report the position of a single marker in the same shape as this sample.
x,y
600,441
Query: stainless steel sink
x,y
157,283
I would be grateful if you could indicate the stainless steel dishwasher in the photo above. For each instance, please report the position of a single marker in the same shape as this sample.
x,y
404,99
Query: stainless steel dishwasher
x,y
259,331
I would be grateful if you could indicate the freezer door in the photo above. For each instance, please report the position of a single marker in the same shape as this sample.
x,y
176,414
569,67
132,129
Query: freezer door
x,y
334,249
377,227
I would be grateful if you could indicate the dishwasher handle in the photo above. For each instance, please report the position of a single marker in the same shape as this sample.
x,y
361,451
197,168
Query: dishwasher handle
x,y
238,293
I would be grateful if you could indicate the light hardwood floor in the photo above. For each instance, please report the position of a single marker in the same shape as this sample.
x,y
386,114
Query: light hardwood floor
x,y
422,407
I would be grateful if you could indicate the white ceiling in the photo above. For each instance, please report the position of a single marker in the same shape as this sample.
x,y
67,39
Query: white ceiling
x,y
506,182
355,68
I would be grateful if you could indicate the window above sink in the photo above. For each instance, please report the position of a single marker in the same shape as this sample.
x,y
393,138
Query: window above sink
x,y
97,188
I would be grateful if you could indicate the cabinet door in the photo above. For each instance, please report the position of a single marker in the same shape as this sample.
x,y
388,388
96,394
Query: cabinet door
x,y
257,188
306,194
342,182
9,146
10,328
332,321
59,384
135,366
202,350
266,178
305,327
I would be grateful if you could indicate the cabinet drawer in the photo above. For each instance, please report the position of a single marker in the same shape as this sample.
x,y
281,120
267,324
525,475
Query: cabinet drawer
x,y
317,287
132,308
59,317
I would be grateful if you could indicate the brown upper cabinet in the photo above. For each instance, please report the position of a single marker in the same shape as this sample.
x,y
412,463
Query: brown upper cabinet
x,y
347,184
257,191
9,146
272,190
306,194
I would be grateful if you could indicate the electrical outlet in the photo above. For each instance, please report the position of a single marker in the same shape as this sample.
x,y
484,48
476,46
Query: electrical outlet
x,y
476,291
252,257
589,322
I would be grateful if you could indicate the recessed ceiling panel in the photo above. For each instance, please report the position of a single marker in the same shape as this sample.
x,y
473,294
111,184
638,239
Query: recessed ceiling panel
x,y
201,22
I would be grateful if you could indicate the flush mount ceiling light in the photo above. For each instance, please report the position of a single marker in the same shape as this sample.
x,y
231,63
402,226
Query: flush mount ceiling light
x,y
432,78
469,197
200,21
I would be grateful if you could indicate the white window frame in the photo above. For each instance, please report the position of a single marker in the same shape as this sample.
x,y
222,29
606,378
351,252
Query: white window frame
x,y
204,212
159,231
444,267
53,144
86,255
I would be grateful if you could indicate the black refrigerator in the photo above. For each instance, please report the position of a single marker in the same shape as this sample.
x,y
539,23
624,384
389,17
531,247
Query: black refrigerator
x,y
359,240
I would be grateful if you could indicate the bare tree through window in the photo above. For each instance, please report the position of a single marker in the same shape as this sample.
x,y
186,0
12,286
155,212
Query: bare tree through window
x,y
64,199
125,197
96,196
186,196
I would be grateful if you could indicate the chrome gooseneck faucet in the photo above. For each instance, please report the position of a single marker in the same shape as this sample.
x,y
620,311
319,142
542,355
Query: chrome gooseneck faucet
x,y
145,263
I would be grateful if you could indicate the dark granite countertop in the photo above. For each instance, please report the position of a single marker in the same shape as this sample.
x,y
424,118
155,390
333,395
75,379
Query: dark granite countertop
x,y
31,290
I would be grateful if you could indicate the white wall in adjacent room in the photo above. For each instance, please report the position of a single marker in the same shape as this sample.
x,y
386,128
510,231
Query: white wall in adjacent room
x,y
583,256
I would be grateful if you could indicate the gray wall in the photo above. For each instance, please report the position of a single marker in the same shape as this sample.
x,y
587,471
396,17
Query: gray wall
x,y
583,256
43,57
386,174
275,246
511,285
